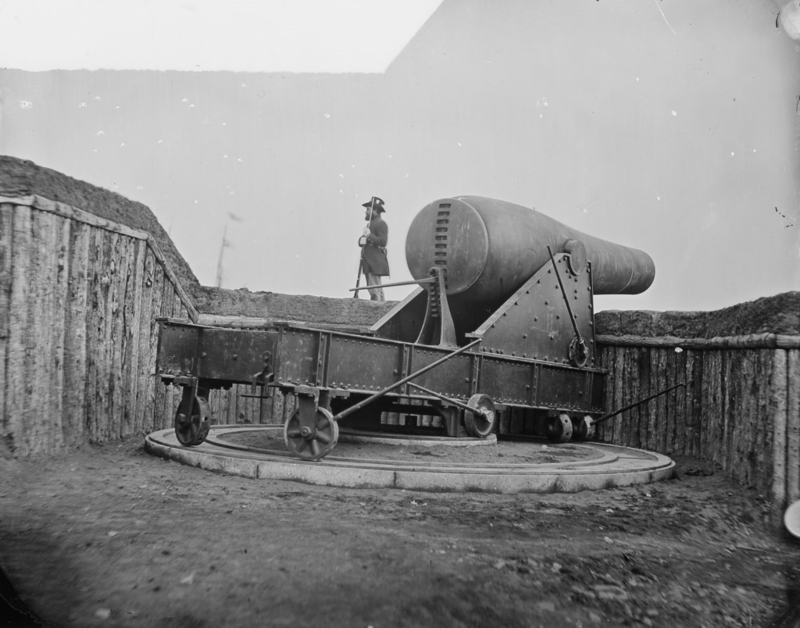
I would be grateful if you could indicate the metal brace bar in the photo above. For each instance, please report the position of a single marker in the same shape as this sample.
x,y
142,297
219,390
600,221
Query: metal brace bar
x,y
455,402
391,285
405,380
637,403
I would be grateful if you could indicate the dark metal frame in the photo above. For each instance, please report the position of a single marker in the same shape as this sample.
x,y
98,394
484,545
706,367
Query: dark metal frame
x,y
511,361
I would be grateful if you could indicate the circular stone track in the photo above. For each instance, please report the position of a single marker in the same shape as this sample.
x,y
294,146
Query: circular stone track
x,y
420,463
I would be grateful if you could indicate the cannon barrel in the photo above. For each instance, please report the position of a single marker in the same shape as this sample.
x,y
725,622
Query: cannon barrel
x,y
489,248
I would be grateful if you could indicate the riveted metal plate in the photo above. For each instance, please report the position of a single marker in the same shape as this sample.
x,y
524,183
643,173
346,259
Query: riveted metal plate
x,y
562,388
506,381
233,355
363,364
452,378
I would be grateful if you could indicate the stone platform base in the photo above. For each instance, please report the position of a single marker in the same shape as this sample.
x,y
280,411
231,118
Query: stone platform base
x,y
420,463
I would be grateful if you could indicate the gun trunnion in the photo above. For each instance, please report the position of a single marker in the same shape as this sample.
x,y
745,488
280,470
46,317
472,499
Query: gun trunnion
x,y
503,318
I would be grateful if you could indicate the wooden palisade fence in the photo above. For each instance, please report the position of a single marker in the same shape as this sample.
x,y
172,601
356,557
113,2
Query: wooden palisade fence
x,y
78,334
740,406
80,297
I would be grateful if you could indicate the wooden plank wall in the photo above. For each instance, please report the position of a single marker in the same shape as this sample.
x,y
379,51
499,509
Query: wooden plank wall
x,y
740,408
233,407
79,302
79,297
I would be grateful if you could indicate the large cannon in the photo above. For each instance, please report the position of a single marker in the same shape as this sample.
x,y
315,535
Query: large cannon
x,y
487,250
502,318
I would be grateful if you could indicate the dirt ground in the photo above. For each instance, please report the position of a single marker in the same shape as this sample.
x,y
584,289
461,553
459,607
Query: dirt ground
x,y
111,536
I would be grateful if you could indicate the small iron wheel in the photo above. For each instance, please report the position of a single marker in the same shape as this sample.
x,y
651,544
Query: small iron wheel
x,y
192,423
311,446
480,423
559,429
583,429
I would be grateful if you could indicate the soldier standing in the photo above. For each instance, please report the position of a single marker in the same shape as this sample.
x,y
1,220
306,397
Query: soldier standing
x,y
373,243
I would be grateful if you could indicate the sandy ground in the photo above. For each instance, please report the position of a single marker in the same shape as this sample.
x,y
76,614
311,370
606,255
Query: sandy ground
x,y
111,536
503,452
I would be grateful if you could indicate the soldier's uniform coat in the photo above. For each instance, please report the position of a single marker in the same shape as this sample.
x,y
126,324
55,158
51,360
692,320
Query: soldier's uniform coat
x,y
375,261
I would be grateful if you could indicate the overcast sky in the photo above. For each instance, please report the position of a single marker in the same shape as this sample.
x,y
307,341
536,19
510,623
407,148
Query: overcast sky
x,y
667,125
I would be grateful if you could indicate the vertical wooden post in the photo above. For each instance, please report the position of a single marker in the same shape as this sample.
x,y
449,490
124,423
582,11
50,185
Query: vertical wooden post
x,y
132,331
778,411
606,363
727,423
6,286
61,332
121,258
18,324
277,407
696,402
40,340
793,425
765,452
620,367
639,385
670,406
74,394
145,390
154,408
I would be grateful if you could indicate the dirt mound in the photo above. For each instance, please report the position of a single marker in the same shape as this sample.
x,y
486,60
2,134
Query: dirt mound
x,y
19,177
779,314
323,311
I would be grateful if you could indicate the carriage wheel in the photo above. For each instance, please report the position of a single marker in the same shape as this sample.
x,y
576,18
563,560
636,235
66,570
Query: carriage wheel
x,y
559,429
481,423
583,429
192,421
311,446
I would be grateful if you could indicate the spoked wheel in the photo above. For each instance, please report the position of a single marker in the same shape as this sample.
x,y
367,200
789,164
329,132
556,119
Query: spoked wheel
x,y
192,421
583,429
559,429
309,446
480,423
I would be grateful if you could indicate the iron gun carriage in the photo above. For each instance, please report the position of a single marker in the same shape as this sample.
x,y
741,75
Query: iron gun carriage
x,y
503,317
